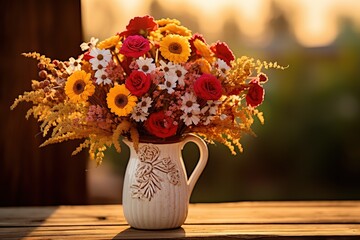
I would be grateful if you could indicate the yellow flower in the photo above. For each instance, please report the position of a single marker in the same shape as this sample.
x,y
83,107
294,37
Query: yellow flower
x,y
205,67
120,101
165,21
155,36
109,42
204,50
79,87
86,66
175,48
175,29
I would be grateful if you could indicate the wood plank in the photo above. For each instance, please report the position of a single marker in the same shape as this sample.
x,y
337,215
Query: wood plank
x,y
246,212
216,220
268,212
189,231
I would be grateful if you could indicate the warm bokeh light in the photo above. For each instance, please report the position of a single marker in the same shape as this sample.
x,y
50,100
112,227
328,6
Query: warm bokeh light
x,y
314,23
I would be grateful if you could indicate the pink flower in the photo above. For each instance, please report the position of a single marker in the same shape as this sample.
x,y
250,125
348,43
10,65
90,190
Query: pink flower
x,y
135,46
115,72
138,83
208,87
255,95
223,52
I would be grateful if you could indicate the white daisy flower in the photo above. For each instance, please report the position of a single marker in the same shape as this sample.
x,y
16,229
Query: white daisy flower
x,y
222,66
180,72
102,77
223,117
101,57
191,118
211,106
145,104
138,114
146,65
169,84
189,103
74,65
88,45
99,66
208,119
167,68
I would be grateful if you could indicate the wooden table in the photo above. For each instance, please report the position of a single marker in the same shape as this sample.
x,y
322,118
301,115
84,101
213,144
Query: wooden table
x,y
242,220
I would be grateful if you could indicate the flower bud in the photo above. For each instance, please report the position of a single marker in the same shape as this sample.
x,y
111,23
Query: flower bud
x,y
46,82
46,89
43,74
41,65
61,65
54,72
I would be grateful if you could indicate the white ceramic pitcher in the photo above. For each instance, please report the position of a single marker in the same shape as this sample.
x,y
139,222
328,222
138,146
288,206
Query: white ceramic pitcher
x,y
156,189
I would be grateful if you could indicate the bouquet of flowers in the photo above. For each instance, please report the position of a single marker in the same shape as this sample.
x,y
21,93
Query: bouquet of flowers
x,y
155,81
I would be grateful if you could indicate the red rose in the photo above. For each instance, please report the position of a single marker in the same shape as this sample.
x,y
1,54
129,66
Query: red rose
x,y
135,46
208,87
223,52
160,125
140,26
138,83
255,95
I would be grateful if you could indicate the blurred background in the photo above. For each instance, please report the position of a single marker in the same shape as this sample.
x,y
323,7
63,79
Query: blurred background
x,y
308,149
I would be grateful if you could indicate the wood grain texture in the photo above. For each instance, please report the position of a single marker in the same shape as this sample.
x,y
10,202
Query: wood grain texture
x,y
243,220
30,175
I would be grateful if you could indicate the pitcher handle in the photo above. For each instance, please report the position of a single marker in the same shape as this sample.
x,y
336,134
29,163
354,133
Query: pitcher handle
x,y
202,160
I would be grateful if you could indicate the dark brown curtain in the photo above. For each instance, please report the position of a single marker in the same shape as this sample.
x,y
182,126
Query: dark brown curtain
x,y
29,175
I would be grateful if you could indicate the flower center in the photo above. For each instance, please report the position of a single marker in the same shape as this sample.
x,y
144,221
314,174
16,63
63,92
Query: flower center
x,y
121,100
79,86
143,104
189,103
143,32
145,68
100,57
103,77
100,66
175,48
178,73
168,84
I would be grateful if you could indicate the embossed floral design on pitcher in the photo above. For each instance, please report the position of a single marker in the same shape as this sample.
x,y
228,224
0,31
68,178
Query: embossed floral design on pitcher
x,y
156,189
148,172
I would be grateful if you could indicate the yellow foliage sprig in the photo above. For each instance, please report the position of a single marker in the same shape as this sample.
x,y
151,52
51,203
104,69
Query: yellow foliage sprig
x,y
41,58
268,65
35,97
124,126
